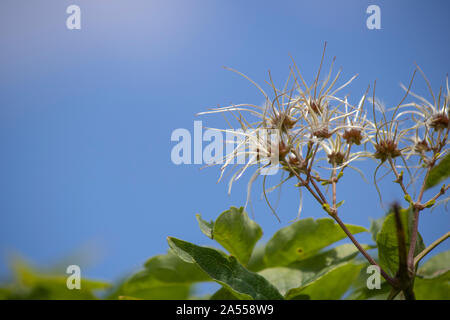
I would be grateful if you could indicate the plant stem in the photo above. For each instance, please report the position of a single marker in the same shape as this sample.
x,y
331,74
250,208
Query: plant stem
x,y
415,229
398,177
427,250
406,282
389,279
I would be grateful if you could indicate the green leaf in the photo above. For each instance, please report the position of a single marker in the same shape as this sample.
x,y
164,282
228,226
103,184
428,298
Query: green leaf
x,y
435,266
226,270
162,291
360,291
293,279
164,277
375,227
319,266
436,288
237,233
331,285
433,278
303,239
205,226
42,285
223,294
283,278
364,293
439,172
256,262
388,244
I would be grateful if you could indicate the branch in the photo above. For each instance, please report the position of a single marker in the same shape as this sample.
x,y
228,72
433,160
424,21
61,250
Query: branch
x,y
399,178
415,229
389,279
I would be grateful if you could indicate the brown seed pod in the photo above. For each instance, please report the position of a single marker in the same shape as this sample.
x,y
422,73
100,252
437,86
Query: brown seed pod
x,y
386,149
439,121
283,121
323,133
353,136
336,158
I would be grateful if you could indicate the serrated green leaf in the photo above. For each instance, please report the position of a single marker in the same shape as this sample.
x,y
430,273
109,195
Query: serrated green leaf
x,y
388,244
440,172
226,270
237,233
303,239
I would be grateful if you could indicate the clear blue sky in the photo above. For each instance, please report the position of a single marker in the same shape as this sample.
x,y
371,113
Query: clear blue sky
x,y
86,115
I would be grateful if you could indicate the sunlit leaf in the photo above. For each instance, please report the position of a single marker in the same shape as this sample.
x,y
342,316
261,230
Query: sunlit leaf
x,y
436,288
205,226
302,239
387,241
440,172
329,286
226,270
237,233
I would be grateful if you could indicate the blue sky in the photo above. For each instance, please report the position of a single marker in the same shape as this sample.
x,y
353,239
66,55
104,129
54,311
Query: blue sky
x,y
86,115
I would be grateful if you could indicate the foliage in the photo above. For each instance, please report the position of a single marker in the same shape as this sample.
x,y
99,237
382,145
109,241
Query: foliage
x,y
319,135
310,267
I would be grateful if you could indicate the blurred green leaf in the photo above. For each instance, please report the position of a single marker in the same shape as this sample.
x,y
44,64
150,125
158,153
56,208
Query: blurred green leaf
x,y
164,277
34,284
226,270
439,172
388,244
303,239
223,294
237,233
375,227
159,291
